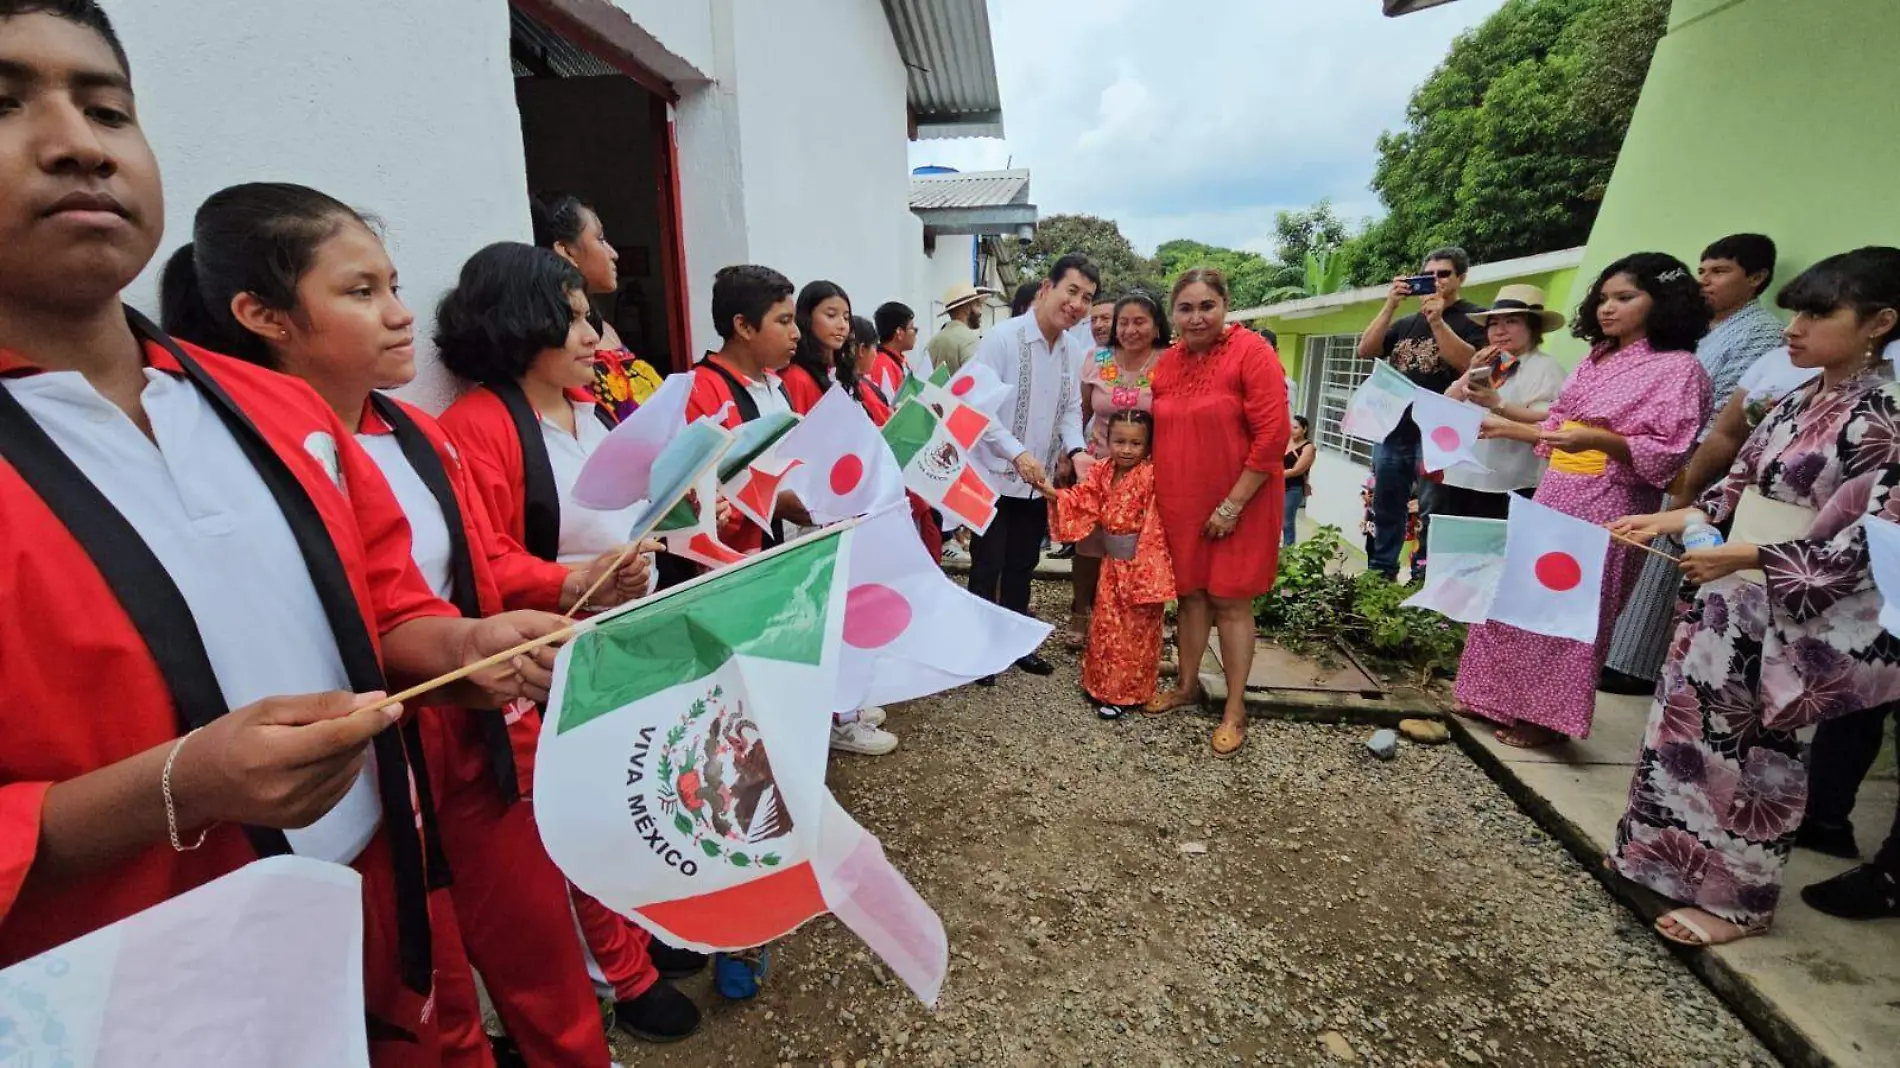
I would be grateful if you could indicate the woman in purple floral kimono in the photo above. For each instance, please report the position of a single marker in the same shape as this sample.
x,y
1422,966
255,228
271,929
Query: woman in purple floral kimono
x,y
1776,637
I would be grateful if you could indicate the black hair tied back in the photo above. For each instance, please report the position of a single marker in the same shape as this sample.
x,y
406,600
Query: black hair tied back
x,y
259,238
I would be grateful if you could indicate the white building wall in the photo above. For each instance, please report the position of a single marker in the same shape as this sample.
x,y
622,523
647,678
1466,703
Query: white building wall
x,y
945,266
404,109
821,98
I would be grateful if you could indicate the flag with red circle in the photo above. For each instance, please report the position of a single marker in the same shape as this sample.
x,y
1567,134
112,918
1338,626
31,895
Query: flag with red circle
x,y
1552,581
909,631
1447,429
837,463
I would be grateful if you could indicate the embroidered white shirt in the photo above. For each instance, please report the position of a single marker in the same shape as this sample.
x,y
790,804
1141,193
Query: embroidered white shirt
x,y
1049,403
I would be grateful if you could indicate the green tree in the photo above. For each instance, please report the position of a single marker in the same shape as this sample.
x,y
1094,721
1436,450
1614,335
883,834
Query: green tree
x,y
1509,145
1250,276
1100,240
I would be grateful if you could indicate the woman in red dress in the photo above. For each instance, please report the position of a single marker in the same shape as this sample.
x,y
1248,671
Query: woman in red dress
x,y
1220,437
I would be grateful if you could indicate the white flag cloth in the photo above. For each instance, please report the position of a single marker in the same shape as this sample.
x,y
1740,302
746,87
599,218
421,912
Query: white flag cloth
x,y
680,774
1378,405
1447,429
619,471
1467,559
841,467
261,967
909,631
1883,550
1553,573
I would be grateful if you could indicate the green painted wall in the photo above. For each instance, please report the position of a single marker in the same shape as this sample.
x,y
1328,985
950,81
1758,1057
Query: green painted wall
x,y
1352,318
1774,116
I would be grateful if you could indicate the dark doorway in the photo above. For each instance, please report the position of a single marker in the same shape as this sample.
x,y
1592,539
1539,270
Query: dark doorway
x,y
591,130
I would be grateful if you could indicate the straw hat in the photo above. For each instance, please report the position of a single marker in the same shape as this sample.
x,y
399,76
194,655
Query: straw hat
x,y
1522,300
963,293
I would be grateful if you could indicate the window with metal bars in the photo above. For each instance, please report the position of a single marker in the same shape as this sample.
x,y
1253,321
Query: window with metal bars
x,y
1341,369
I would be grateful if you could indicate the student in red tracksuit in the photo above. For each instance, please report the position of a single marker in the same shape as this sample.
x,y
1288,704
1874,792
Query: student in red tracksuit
x,y
752,310
178,548
516,325
338,324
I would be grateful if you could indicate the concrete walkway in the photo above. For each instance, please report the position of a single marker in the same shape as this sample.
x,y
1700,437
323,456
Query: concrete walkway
x,y
1829,987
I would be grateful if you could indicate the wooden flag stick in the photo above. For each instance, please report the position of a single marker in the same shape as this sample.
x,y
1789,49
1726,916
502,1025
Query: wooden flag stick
x,y
619,561
1646,548
483,664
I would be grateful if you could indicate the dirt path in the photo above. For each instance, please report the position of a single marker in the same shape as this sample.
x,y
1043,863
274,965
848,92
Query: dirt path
x,y
1115,896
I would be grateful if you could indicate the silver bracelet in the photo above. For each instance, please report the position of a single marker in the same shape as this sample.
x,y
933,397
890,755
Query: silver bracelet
x,y
1228,510
171,809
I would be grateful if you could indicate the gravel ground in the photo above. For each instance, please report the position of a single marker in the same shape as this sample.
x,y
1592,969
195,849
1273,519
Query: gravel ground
x,y
1115,896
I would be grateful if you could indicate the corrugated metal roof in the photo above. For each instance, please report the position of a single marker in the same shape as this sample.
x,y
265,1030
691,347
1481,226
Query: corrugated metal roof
x,y
538,51
946,46
969,189
1481,273
1395,8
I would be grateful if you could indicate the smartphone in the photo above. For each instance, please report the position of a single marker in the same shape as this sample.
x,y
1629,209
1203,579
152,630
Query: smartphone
x,y
1481,376
1422,285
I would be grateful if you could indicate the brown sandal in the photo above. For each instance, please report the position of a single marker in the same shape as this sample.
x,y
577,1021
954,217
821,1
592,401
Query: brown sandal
x,y
1077,636
1162,704
1228,740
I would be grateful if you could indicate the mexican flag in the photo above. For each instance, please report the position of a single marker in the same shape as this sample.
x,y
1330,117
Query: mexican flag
x,y
938,468
683,486
751,474
261,966
1467,557
1378,405
964,401
1552,578
909,631
680,774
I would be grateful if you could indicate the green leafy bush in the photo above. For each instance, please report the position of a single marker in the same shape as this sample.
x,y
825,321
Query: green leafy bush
x,y
1314,602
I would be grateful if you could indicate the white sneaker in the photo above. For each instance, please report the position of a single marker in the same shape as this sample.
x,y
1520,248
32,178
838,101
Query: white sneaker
x,y
872,715
860,737
953,551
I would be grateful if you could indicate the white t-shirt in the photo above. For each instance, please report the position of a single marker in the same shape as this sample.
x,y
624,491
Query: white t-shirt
x,y
205,512
1514,465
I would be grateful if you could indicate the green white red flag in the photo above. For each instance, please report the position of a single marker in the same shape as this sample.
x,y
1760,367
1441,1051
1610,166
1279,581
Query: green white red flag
x,y
680,774
937,467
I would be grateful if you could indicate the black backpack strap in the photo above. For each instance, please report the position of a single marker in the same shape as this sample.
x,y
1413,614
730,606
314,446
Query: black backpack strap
x,y
421,454
541,502
355,646
137,579
748,405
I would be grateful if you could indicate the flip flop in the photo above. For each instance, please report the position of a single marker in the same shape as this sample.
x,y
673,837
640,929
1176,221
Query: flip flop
x,y
1233,737
1702,940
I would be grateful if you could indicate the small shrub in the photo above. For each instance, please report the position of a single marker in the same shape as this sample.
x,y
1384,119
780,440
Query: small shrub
x,y
1314,602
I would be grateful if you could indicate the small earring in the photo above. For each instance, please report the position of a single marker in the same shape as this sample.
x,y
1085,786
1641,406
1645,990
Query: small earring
x,y
283,335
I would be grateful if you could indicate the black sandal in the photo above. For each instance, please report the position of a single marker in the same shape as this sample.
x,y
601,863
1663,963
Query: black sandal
x,y
1106,711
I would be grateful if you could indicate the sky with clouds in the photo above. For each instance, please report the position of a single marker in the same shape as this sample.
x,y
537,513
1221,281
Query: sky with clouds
x,y
1202,119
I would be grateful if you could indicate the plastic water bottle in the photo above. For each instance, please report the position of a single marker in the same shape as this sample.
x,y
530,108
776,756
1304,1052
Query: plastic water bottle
x,y
1699,533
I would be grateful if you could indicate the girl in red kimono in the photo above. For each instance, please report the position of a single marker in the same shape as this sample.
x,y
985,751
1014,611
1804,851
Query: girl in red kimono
x,y
516,324
178,549
339,325
572,230
1123,660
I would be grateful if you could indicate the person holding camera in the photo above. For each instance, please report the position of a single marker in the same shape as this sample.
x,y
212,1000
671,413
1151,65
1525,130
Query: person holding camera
x,y
1515,381
1433,347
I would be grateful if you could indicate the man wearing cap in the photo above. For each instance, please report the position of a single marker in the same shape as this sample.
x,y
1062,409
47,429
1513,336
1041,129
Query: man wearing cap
x,y
1512,378
956,342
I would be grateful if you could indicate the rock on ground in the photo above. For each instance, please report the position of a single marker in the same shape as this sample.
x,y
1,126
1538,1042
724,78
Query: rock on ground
x,y
1406,913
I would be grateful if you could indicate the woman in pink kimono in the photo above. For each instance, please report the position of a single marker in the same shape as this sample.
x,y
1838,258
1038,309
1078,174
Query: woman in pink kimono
x,y
1781,632
1620,430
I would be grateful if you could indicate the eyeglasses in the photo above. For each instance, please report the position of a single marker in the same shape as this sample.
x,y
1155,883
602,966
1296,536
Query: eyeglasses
x,y
1441,275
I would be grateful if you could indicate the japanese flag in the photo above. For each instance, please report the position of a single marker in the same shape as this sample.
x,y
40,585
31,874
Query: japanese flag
x,y
1553,573
1446,430
837,461
1883,552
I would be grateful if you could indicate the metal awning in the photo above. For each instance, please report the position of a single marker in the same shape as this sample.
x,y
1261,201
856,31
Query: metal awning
x,y
945,44
1395,8
974,202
